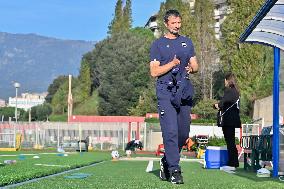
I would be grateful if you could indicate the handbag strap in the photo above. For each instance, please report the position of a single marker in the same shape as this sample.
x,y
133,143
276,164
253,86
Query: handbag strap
x,y
237,102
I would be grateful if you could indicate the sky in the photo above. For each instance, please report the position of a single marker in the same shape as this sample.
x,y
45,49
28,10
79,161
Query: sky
x,y
68,19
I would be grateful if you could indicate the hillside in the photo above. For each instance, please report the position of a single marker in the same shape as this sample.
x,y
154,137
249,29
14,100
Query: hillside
x,y
34,61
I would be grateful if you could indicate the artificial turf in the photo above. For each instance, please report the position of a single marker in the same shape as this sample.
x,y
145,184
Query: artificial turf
x,y
131,174
27,167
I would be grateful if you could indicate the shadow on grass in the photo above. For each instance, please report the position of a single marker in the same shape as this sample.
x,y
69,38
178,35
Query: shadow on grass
x,y
252,176
156,172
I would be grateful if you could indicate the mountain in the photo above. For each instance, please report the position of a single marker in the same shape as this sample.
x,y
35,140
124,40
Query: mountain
x,y
35,61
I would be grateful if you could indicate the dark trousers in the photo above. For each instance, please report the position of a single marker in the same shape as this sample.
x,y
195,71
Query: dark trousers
x,y
175,125
229,135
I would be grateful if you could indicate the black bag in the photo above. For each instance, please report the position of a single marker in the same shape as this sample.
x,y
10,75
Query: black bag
x,y
220,118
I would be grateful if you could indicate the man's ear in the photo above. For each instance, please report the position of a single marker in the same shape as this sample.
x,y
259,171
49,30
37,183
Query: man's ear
x,y
165,23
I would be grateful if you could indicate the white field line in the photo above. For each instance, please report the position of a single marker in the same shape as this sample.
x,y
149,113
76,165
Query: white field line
x,y
48,165
8,155
59,153
13,155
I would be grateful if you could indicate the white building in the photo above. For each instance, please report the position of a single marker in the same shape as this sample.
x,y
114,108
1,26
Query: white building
x,y
2,103
27,100
220,11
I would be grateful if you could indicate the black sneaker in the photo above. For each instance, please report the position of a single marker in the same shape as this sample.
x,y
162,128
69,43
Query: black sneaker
x,y
164,171
176,177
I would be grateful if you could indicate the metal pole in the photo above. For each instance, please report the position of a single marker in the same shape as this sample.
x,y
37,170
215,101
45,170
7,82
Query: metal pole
x,y
30,109
118,124
145,136
36,132
275,146
137,131
57,136
16,107
43,137
16,85
101,137
129,132
213,129
123,140
14,135
80,137
151,139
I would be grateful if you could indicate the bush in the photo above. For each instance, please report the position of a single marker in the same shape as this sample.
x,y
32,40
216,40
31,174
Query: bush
x,y
204,109
6,112
152,120
58,118
219,141
216,141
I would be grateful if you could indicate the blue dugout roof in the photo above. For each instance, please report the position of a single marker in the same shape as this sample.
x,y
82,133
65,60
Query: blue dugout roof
x,y
267,27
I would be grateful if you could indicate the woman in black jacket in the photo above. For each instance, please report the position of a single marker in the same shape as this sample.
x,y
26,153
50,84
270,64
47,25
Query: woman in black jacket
x,y
229,106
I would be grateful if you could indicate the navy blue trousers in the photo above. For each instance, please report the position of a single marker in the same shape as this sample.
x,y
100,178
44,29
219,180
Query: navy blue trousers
x,y
175,126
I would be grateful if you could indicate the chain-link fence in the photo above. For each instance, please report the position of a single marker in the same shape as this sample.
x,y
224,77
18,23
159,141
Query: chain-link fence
x,y
104,136
100,135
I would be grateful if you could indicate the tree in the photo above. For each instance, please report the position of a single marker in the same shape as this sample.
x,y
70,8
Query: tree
x,y
204,109
54,86
117,21
127,15
121,63
252,64
59,100
6,112
122,20
41,112
205,45
85,80
88,107
147,102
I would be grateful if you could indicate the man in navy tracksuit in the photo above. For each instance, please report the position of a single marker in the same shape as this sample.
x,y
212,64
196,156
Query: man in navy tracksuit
x,y
172,59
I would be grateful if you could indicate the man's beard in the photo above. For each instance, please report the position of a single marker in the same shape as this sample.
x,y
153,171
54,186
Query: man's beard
x,y
176,33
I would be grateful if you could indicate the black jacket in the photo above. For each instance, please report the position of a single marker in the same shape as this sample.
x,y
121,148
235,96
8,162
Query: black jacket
x,y
232,117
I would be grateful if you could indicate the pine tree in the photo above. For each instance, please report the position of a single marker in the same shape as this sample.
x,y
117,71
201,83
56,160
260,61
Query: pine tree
x,y
127,17
122,20
117,22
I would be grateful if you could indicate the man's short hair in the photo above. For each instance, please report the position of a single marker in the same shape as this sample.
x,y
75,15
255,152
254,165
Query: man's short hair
x,y
169,13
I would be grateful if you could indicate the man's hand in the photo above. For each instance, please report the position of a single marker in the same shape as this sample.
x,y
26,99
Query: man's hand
x,y
192,66
189,69
156,69
175,61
